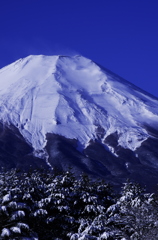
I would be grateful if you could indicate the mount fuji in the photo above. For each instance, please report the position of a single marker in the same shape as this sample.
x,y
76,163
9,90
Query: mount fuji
x,y
61,112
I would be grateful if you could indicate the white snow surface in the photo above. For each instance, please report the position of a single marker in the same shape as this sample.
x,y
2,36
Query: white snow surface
x,y
73,97
5,232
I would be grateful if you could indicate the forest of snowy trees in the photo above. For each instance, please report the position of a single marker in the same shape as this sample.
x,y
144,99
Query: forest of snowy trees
x,y
39,205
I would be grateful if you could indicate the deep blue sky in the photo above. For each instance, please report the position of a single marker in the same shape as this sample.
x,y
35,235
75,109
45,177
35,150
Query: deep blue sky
x,y
121,35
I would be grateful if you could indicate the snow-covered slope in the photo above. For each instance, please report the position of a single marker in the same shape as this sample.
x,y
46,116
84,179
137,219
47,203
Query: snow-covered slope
x,y
75,98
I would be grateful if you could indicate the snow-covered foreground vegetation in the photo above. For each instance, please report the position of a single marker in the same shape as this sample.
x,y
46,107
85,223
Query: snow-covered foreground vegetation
x,y
45,206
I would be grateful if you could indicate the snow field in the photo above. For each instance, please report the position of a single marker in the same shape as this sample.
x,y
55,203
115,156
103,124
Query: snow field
x,y
72,97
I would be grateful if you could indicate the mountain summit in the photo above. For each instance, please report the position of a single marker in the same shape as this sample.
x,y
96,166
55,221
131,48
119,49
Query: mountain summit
x,y
70,112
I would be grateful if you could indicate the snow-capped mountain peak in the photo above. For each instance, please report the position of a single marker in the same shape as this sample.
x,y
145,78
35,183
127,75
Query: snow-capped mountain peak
x,y
75,98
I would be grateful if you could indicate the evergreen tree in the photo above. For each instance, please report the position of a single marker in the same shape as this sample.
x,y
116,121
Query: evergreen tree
x,y
40,205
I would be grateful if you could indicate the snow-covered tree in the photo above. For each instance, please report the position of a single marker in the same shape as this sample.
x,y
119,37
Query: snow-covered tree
x,y
135,213
40,205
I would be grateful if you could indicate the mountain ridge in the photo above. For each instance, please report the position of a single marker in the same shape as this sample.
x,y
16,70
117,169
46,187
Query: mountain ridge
x,y
54,98
64,91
